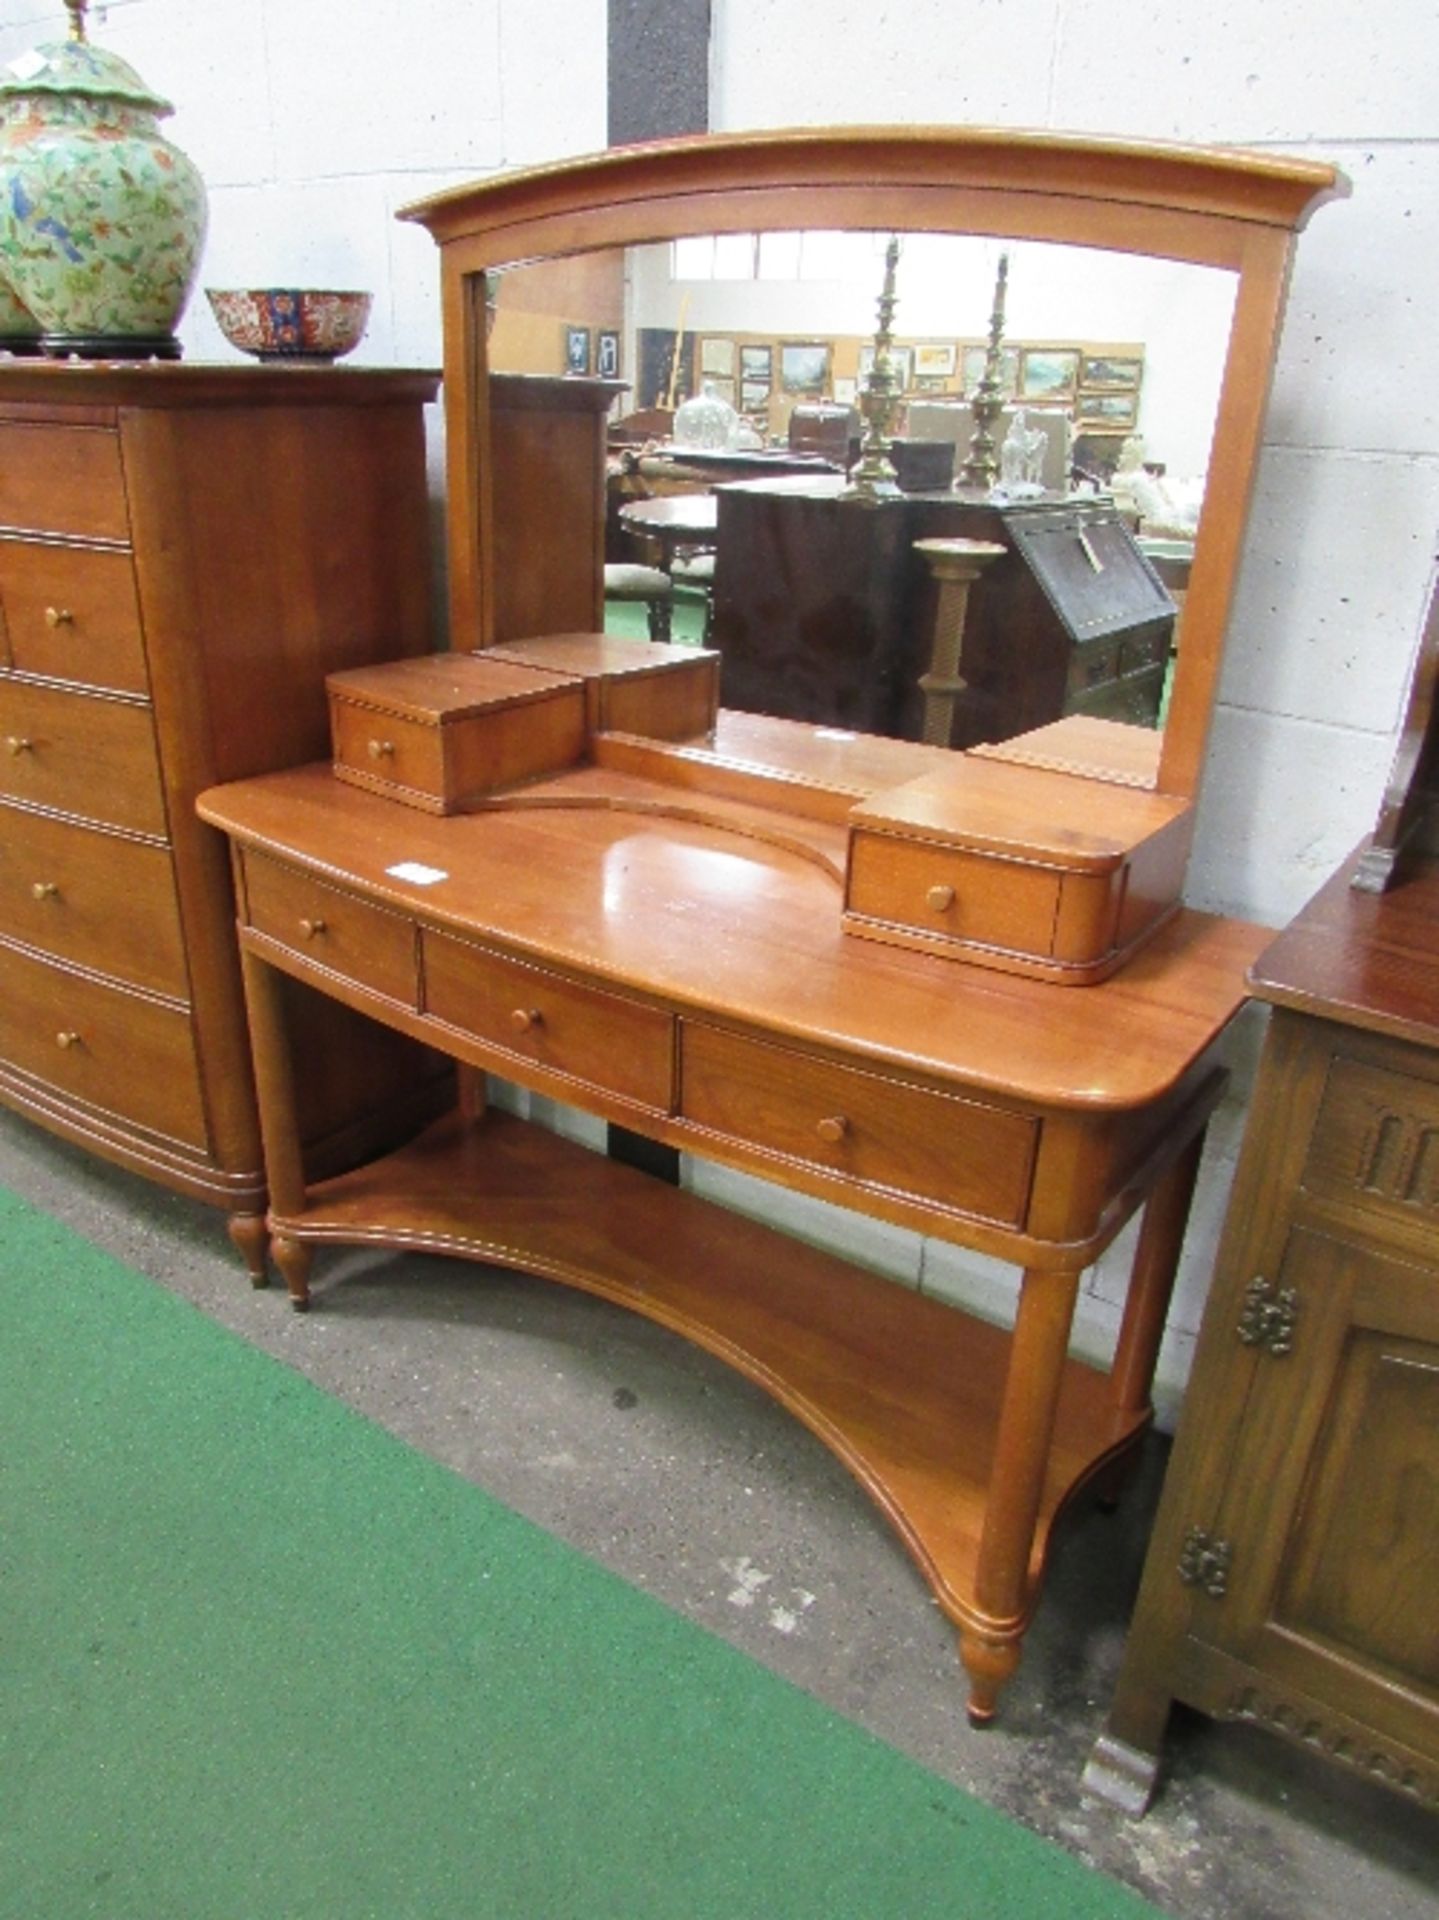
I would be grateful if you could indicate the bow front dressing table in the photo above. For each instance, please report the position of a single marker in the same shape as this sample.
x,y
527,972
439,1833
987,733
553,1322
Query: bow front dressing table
x,y
960,993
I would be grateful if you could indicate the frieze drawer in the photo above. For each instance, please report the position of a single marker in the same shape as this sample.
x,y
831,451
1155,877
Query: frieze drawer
x,y
92,897
80,753
330,929
618,1045
70,613
63,480
958,1154
117,1050
1376,1142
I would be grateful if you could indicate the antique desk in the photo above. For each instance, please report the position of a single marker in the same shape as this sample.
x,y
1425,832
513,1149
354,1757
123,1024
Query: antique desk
x,y
671,959
824,610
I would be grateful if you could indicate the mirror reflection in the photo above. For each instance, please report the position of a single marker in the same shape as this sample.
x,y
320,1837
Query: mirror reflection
x,y
748,398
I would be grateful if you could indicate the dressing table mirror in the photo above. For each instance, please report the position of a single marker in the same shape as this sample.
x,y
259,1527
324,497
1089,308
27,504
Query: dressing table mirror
x,y
1193,244
657,926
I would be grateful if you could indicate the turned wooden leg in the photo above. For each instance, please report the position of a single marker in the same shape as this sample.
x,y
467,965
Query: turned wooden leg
x,y
251,1238
293,1258
1016,1482
990,1664
1146,1306
472,1091
1151,1282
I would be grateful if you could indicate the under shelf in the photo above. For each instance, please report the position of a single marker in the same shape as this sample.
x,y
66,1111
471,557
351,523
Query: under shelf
x,y
905,1390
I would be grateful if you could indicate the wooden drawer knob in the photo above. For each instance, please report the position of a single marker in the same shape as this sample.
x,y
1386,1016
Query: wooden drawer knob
x,y
59,617
940,898
312,929
16,744
45,890
526,1019
381,749
832,1129
67,1039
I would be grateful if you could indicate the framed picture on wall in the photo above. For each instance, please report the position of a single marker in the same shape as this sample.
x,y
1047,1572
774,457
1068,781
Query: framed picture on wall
x,y
804,366
972,370
1107,372
607,354
901,360
754,396
717,357
577,349
721,388
935,360
756,363
1048,373
1108,409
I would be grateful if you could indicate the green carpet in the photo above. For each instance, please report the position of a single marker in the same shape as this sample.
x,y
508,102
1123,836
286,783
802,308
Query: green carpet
x,y
262,1661
687,620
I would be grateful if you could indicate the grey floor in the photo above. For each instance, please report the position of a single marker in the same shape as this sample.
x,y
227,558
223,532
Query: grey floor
x,y
690,1483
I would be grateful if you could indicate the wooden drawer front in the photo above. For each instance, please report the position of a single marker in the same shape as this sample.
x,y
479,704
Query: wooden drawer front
x,y
603,1039
963,1156
80,753
364,943
62,480
130,1056
953,894
92,898
1093,664
70,613
1376,1142
388,749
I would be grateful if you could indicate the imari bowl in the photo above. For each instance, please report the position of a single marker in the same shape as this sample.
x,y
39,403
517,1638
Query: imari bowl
x,y
290,323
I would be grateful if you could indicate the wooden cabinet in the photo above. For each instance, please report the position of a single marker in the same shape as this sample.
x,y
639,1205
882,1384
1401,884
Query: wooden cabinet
x,y
184,553
1292,1575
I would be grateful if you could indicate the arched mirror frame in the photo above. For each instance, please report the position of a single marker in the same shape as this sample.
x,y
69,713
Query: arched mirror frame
x,y
1208,207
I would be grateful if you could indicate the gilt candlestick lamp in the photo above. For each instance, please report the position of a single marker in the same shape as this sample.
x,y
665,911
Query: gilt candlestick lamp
x,y
102,219
987,403
872,477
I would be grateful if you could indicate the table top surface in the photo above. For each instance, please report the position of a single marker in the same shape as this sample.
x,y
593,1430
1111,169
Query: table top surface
x,y
673,513
1370,960
735,914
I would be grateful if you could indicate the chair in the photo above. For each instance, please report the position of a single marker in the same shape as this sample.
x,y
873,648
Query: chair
x,y
631,584
696,568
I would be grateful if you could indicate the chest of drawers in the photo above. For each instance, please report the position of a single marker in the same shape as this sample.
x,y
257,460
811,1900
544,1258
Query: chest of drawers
x,y
185,552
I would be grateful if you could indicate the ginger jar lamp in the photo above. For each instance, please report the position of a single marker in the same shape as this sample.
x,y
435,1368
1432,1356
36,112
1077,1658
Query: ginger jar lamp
x,y
102,219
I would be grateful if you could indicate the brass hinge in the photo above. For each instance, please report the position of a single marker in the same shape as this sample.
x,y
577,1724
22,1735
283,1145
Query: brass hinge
x,y
1204,1562
1267,1317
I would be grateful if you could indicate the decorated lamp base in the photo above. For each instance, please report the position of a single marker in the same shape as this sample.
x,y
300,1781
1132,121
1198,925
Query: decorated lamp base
x,y
109,346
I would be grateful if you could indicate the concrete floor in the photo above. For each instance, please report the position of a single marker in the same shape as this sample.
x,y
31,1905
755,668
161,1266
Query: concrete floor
x,y
688,1482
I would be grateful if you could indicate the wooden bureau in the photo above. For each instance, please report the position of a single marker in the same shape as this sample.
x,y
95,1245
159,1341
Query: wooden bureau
x,y
185,551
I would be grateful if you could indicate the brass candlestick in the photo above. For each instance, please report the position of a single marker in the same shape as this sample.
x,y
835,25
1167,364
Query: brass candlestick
x,y
982,466
872,476
76,10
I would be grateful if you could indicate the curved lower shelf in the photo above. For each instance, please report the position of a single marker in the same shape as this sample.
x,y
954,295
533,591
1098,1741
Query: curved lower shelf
x,y
905,1390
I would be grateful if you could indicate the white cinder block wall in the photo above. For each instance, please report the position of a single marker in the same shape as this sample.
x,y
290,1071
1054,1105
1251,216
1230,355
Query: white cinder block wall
x,y
312,123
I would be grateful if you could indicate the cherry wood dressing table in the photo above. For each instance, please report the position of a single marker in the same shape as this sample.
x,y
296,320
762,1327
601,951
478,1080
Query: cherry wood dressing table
x,y
674,962
678,937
